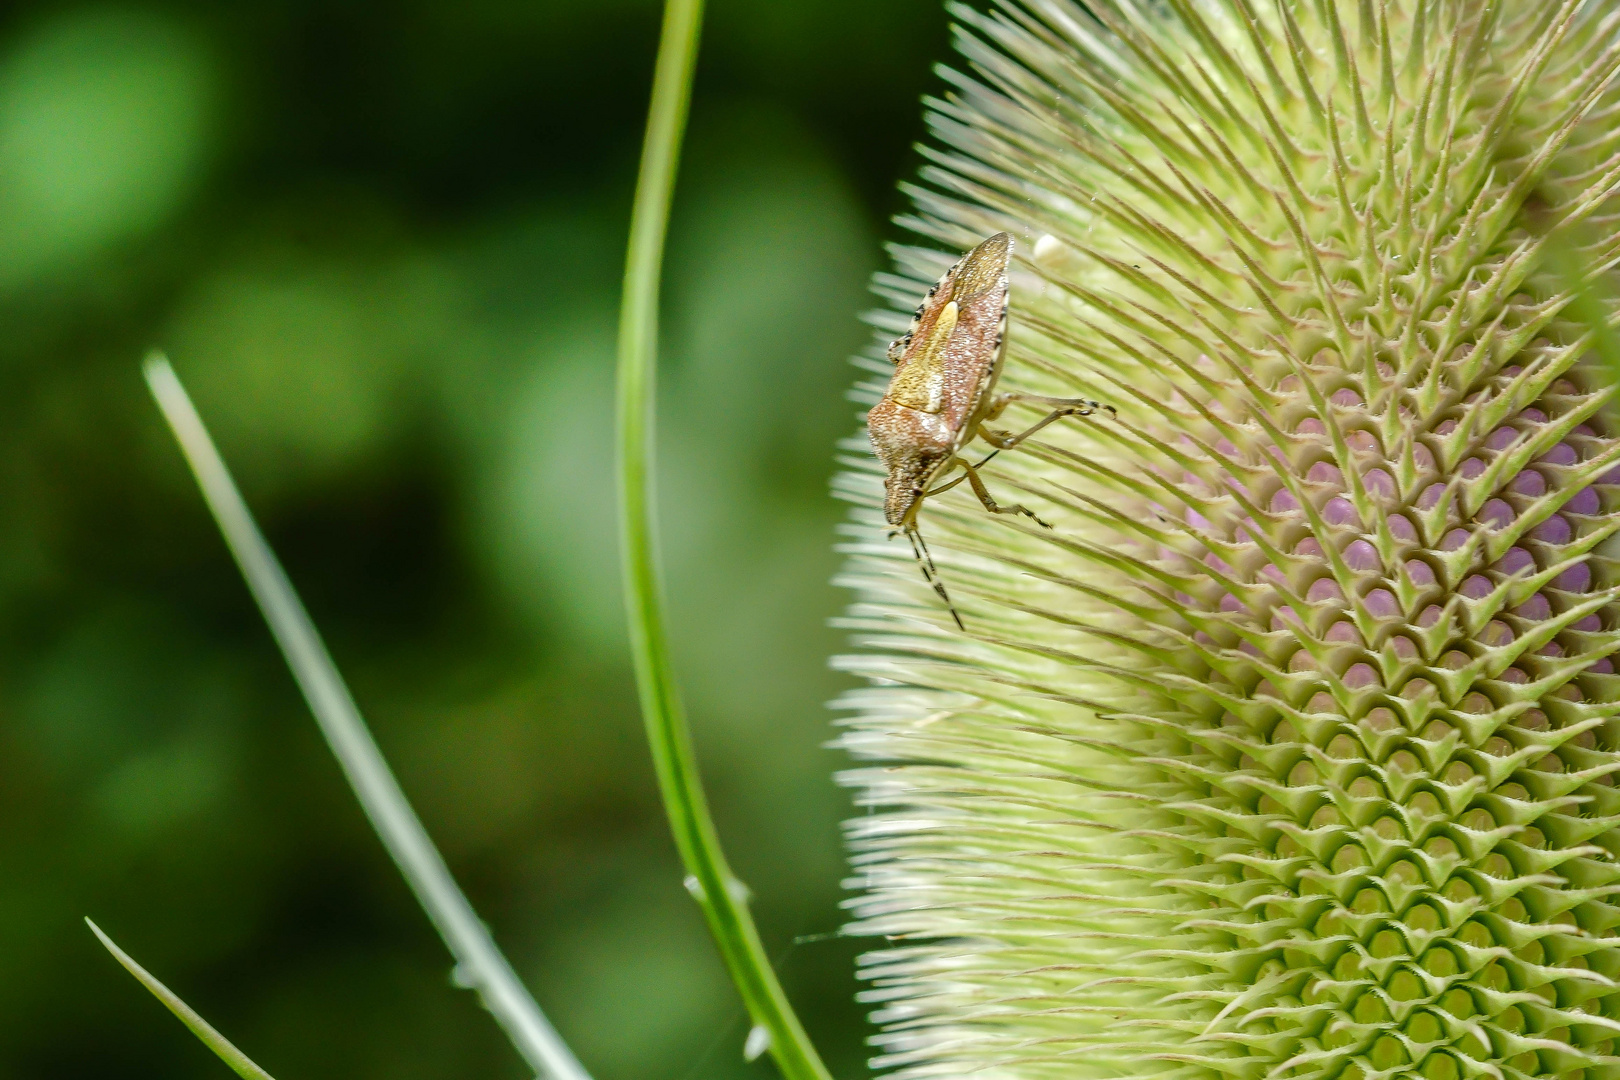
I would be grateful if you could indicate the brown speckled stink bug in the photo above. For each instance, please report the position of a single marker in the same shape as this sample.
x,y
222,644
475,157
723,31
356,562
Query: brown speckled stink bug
x,y
942,394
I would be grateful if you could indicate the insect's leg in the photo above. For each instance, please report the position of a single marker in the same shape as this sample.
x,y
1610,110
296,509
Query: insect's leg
x,y
991,436
930,572
990,504
946,487
1002,440
1085,406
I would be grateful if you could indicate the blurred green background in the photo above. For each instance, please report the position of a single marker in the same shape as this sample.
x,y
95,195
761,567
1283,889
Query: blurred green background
x,y
382,243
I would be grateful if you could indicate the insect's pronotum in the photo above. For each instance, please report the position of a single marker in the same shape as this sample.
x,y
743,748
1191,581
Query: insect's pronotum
x,y
942,395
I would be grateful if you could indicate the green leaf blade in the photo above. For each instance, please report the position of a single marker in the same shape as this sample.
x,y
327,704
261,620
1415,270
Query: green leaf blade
x,y
222,1047
478,958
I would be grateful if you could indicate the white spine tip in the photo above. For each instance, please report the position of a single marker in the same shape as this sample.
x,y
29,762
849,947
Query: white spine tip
x,y
758,1041
1048,249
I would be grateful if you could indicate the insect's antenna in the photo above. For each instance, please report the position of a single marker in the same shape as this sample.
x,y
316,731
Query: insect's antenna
x,y
930,572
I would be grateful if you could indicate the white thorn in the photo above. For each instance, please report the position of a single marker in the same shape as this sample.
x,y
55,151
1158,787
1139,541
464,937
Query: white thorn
x,y
1048,248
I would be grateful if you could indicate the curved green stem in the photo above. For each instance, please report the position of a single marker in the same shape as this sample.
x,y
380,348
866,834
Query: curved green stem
x,y
722,897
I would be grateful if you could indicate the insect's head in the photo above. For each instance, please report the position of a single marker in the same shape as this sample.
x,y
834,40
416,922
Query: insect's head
x,y
906,483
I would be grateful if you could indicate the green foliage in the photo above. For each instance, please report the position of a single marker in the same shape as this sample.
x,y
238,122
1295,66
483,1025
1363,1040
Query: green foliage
x,y
1289,752
382,244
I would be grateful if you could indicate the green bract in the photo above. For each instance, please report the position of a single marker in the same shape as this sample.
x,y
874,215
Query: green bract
x,y
1289,751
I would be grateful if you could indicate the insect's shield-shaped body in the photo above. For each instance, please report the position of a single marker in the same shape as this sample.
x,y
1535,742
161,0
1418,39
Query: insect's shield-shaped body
x,y
943,393
946,366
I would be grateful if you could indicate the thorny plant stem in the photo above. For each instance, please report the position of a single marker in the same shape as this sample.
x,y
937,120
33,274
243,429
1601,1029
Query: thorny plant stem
x,y
479,963
722,897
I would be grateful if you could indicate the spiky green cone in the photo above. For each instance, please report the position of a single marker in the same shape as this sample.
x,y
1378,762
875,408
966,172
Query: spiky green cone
x,y
1289,751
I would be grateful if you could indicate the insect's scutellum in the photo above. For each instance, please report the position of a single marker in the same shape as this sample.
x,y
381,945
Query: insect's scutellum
x,y
943,393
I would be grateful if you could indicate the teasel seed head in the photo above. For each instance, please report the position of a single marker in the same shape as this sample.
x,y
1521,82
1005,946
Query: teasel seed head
x,y
1289,751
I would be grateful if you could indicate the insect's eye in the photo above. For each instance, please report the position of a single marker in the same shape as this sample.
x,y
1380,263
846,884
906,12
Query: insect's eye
x,y
916,491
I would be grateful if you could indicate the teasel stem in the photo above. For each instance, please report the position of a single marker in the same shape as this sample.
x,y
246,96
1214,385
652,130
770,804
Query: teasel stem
x,y
722,897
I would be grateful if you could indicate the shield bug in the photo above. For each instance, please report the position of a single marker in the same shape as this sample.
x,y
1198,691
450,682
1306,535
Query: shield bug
x,y
943,393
